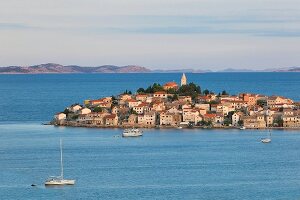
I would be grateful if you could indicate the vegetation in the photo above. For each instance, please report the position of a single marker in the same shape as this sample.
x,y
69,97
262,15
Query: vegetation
x,y
261,102
190,89
224,92
278,122
127,92
97,109
66,111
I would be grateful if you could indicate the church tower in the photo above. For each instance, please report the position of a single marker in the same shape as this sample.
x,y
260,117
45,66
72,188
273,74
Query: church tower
x,y
183,80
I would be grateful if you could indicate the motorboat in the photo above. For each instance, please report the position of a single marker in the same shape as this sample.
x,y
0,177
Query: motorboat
x,y
133,132
268,139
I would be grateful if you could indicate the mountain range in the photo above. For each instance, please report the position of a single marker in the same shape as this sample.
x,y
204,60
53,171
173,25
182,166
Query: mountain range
x,y
57,68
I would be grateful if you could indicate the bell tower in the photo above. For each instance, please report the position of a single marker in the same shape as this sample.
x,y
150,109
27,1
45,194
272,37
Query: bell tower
x,y
183,80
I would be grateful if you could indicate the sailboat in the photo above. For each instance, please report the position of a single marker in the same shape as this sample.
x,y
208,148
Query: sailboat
x,y
59,180
268,139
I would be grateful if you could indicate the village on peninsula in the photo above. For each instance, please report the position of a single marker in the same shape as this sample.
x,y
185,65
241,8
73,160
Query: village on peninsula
x,y
182,106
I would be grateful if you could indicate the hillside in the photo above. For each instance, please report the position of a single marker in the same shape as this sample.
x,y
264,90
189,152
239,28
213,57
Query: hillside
x,y
57,68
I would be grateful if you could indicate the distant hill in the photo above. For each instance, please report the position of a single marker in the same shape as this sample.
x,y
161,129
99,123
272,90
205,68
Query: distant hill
x,y
57,68
51,68
292,69
288,69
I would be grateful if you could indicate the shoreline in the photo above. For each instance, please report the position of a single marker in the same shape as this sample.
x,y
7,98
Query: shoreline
x,y
165,127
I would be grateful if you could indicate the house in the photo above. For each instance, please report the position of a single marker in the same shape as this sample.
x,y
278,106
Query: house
x,y
235,119
115,110
218,120
174,110
111,120
140,108
141,97
254,121
170,85
167,118
60,116
84,111
75,108
159,106
132,103
147,119
185,99
209,117
205,106
160,94
222,109
132,119
190,115
269,120
250,99
203,99
291,121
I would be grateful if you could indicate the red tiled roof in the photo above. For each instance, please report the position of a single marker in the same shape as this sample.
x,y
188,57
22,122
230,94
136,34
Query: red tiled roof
x,y
171,84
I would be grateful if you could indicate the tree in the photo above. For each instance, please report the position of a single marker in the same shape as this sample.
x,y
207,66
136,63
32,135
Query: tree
x,y
278,122
261,102
224,92
227,121
66,111
97,109
240,122
206,92
191,90
174,97
140,90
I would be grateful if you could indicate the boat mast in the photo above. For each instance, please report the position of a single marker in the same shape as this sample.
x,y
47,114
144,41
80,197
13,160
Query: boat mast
x,y
61,161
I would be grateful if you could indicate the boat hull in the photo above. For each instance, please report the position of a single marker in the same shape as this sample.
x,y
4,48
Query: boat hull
x,y
59,182
132,135
266,140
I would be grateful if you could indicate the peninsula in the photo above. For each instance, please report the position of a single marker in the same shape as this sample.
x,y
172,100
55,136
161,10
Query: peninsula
x,y
185,105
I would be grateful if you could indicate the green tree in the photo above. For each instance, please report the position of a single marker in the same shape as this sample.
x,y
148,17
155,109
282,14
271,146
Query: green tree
x,y
189,90
224,92
240,122
66,111
278,122
206,92
261,102
140,90
97,109
174,97
227,121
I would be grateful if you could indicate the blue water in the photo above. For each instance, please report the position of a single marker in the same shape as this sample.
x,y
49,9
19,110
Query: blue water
x,y
163,164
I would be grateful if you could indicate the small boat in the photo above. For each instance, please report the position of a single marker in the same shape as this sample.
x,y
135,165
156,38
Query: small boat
x,y
268,139
179,127
243,128
59,180
134,132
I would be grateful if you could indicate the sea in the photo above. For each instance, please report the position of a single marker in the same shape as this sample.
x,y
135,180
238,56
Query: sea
x,y
163,164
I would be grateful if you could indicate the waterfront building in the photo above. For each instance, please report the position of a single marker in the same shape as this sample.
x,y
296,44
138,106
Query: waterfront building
x,y
111,120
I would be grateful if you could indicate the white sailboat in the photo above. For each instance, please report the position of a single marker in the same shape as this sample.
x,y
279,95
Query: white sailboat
x,y
59,180
268,139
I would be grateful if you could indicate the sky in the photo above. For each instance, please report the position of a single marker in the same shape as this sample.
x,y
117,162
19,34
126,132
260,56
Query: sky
x,y
158,34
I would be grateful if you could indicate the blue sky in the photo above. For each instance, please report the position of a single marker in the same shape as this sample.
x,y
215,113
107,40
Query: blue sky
x,y
159,34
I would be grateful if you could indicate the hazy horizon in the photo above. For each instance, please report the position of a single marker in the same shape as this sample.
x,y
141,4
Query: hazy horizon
x,y
170,34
